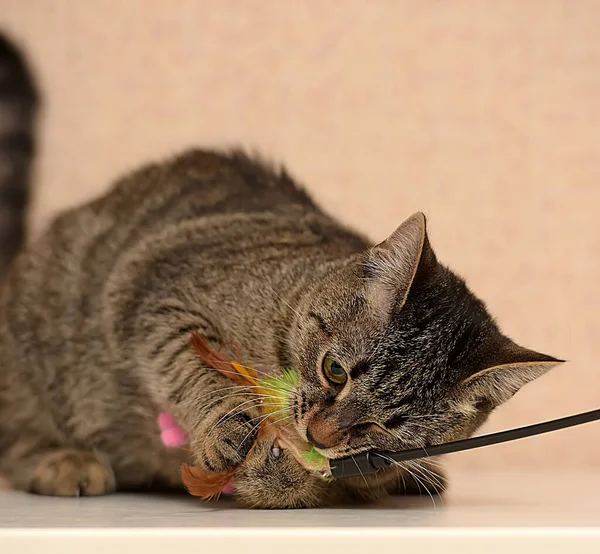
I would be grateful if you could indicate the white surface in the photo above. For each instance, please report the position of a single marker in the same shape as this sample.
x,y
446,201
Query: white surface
x,y
485,513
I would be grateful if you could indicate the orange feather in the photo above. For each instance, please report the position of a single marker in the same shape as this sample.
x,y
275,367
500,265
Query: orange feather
x,y
232,370
207,486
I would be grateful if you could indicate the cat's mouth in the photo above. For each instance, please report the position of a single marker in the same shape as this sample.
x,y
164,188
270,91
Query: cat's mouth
x,y
300,430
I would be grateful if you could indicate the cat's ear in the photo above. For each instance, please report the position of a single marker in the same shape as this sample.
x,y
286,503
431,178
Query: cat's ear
x,y
512,368
395,264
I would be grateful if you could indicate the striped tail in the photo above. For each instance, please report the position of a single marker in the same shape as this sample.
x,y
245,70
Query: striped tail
x,y
18,109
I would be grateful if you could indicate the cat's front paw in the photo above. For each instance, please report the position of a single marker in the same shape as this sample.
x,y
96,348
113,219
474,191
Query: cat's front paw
x,y
225,440
71,472
272,478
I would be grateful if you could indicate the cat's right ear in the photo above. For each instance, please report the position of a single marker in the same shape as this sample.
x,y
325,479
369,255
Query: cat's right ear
x,y
393,266
509,369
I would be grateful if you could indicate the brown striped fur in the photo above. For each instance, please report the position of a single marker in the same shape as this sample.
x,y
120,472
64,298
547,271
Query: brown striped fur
x,y
96,318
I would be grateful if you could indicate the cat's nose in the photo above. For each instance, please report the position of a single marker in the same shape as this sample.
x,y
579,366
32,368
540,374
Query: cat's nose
x,y
323,433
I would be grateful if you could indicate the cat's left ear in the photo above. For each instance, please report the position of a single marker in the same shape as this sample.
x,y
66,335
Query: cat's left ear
x,y
512,368
396,264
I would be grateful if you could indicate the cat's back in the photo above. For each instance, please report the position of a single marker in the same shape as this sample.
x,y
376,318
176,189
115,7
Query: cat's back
x,y
202,183
196,185
59,277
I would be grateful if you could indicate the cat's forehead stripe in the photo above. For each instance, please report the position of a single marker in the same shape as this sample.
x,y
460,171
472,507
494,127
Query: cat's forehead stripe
x,y
359,369
321,323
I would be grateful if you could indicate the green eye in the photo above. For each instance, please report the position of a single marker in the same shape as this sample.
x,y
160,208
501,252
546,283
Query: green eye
x,y
334,372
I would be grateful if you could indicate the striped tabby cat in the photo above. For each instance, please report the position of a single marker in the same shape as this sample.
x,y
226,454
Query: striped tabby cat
x,y
392,348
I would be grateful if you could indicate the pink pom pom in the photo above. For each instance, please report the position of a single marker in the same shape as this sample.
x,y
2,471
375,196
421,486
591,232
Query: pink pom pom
x,y
171,434
174,437
229,488
166,421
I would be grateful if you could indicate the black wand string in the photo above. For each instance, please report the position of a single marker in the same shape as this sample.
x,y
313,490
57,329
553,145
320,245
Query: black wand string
x,y
371,462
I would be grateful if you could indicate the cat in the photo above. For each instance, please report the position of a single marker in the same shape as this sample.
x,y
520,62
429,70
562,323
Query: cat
x,y
392,348
18,111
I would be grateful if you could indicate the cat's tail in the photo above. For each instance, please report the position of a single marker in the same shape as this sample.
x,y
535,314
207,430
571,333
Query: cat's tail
x,y
18,110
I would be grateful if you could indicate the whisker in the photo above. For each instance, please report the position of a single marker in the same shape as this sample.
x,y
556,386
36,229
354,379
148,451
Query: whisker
x,y
422,426
255,396
277,376
426,488
400,472
419,482
206,407
258,425
414,475
252,368
432,478
283,300
433,461
235,409
235,373
217,391
289,389
361,473
262,417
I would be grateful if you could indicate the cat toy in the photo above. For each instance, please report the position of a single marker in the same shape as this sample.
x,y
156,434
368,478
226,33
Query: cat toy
x,y
369,463
278,389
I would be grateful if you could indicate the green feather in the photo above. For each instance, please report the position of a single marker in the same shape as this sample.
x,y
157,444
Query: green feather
x,y
283,387
313,457
280,389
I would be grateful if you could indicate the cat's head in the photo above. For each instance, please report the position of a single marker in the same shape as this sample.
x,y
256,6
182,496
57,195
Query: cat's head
x,y
395,352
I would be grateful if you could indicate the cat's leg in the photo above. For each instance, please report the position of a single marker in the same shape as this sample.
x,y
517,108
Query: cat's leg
x,y
71,472
35,453
42,463
56,471
220,417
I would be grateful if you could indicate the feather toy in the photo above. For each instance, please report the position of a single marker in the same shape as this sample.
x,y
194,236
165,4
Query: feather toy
x,y
279,389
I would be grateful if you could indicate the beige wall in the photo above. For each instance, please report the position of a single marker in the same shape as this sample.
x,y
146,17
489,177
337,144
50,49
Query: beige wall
x,y
485,114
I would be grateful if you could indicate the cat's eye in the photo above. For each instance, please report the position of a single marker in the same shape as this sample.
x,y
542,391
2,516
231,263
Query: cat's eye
x,y
334,372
